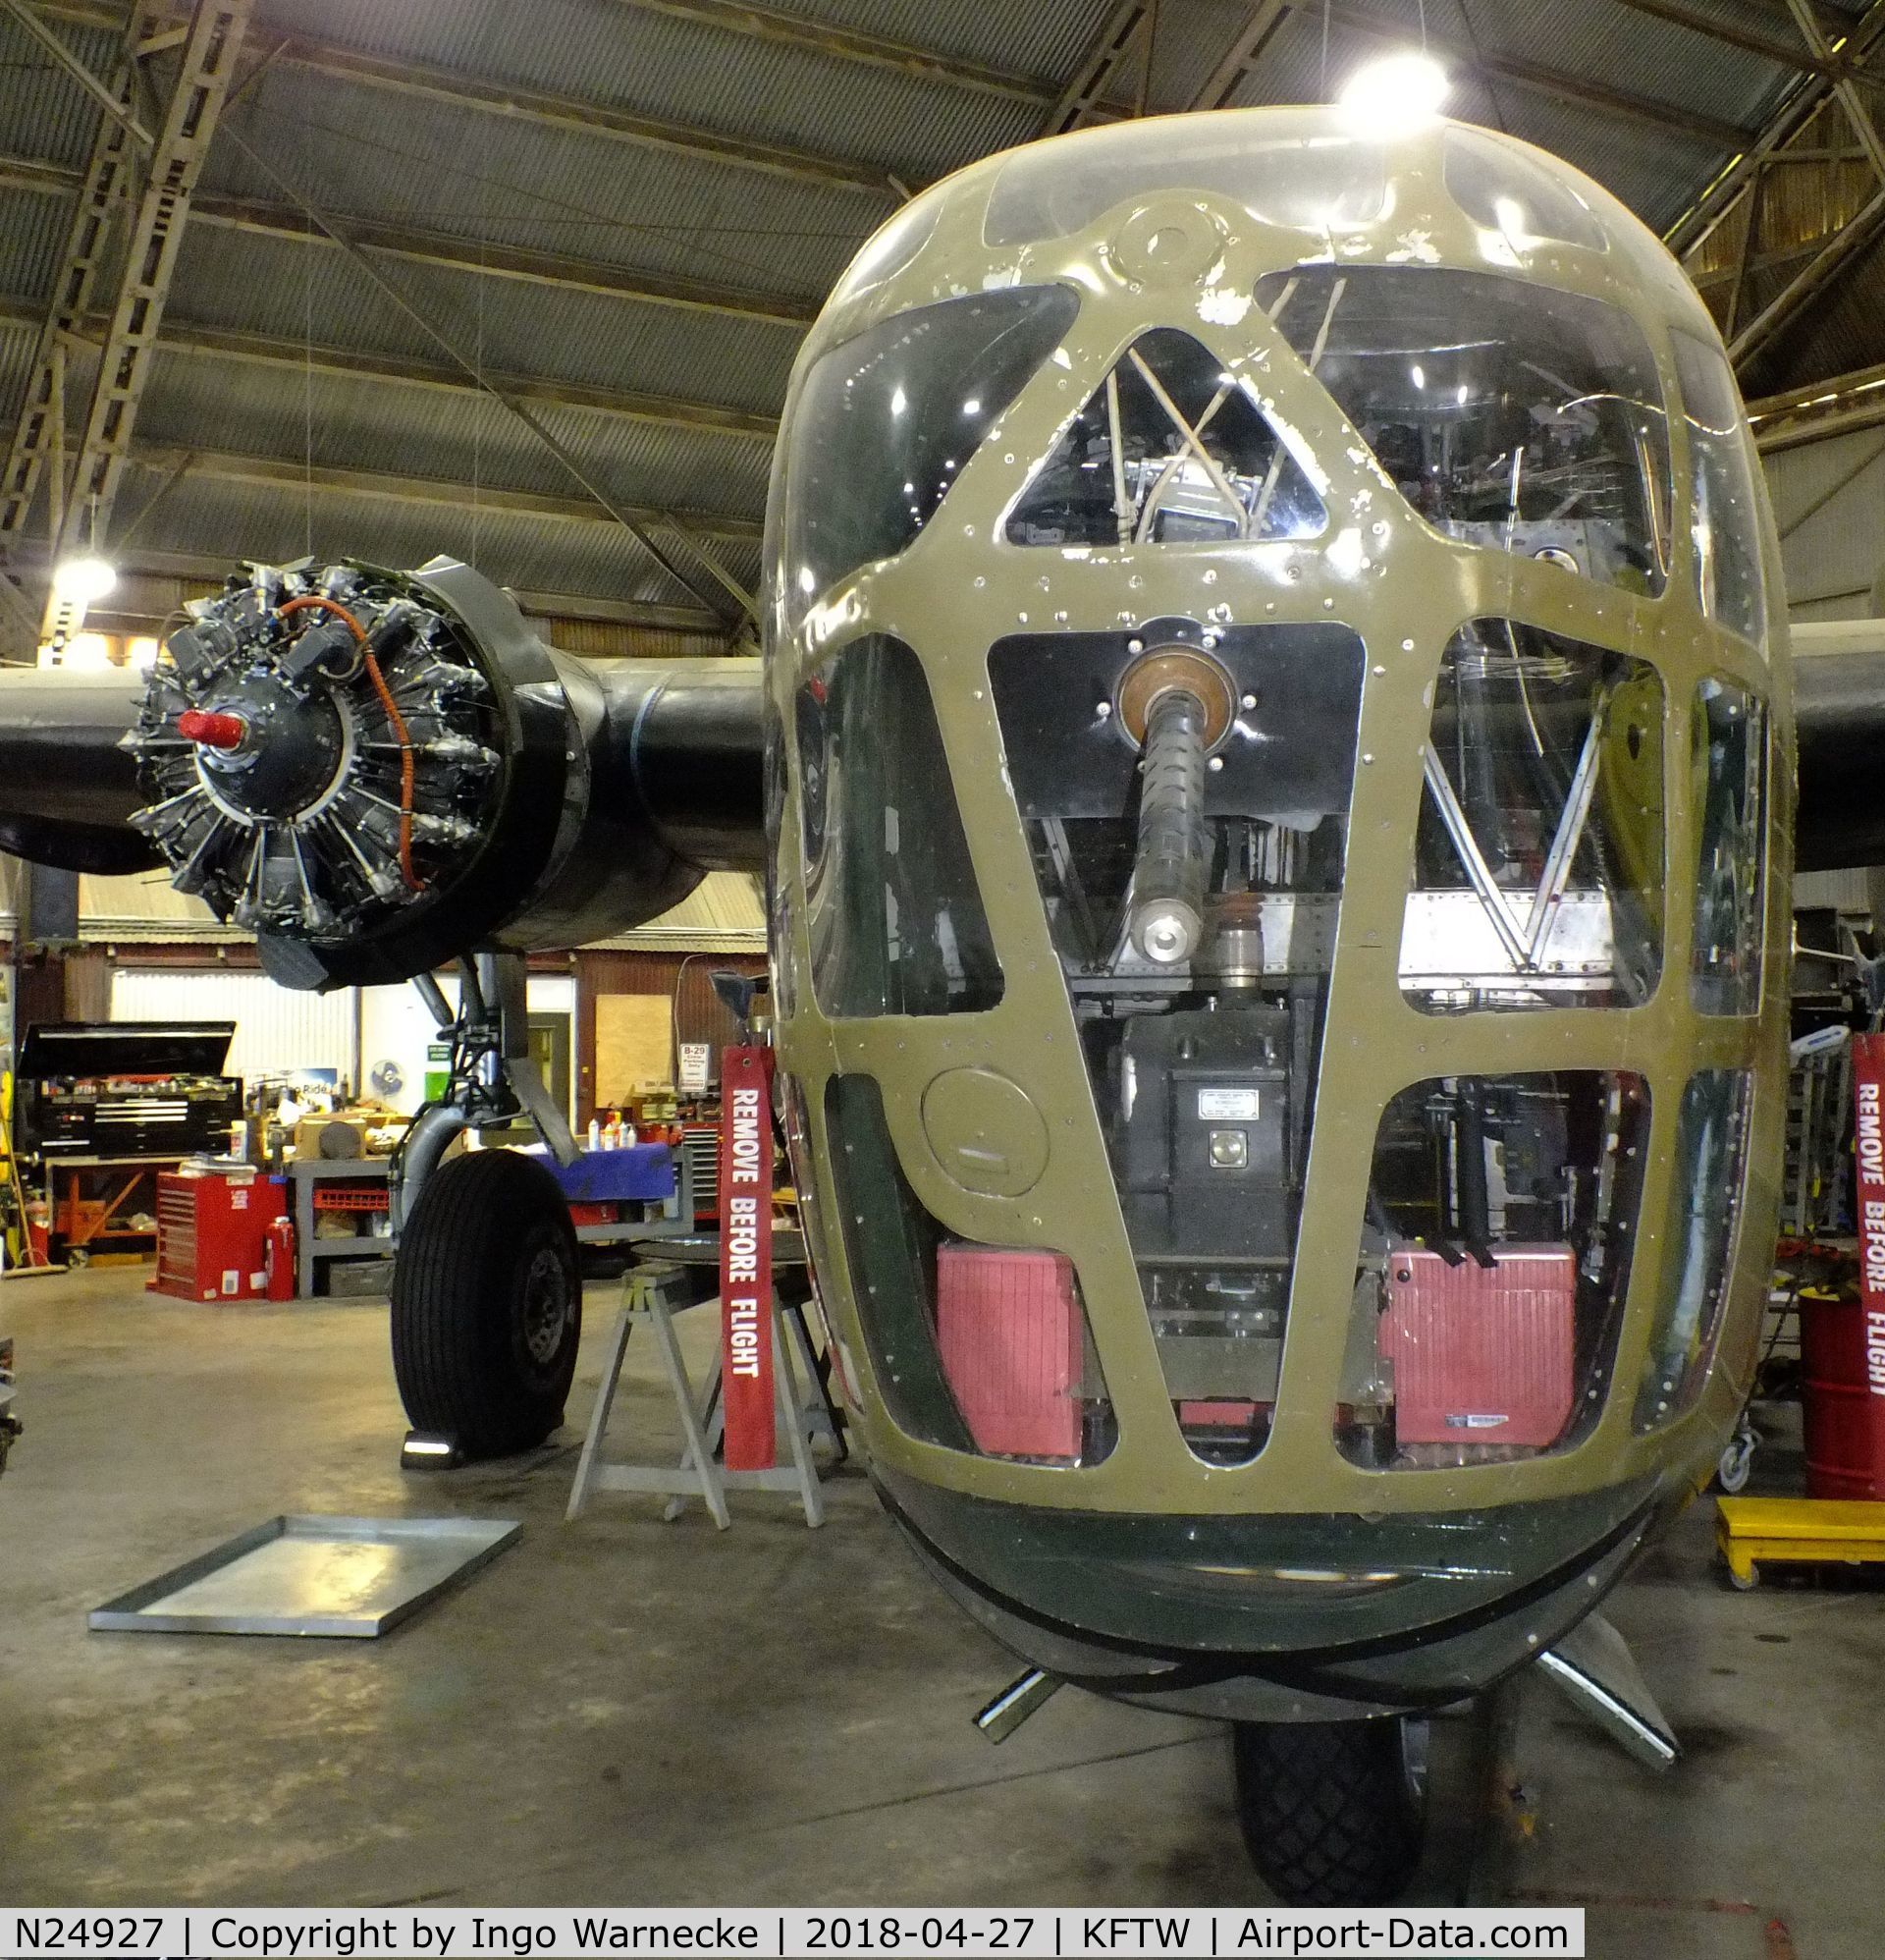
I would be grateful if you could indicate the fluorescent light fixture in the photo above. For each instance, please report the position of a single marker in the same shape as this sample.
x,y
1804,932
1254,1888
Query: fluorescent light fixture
x,y
1394,94
86,650
82,580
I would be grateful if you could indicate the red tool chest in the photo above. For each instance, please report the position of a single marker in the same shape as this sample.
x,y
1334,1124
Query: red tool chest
x,y
211,1226
1482,1353
1008,1330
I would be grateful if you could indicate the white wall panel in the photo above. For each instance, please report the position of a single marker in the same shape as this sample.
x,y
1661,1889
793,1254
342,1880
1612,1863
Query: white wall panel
x,y
396,1027
277,1031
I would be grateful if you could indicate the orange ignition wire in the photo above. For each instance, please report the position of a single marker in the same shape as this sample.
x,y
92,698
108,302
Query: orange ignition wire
x,y
320,602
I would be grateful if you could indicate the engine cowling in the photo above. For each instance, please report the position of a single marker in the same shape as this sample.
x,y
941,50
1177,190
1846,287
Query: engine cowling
x,y
374,770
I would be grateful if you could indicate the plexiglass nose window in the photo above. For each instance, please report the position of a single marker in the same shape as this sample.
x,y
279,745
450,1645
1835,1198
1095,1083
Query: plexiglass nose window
x,y
1724,520
1509,193
896,919
1318,181
1172,451
1711,1153
1508,415
1538,860
1496,1258
886,420
1186,801
1728,751
983,1349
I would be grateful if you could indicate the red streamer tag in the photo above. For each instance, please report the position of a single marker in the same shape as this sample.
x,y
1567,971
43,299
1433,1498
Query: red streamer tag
x,y
746,1256
1869,1155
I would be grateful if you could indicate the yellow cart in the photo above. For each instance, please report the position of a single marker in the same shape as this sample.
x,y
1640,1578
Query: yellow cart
x,y
1751,1532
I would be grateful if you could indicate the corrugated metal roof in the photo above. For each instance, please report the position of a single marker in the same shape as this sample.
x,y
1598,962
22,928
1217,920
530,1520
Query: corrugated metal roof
x,y
627,57
278,522
1044,37
298,291
364,152
197,402
43,111
1829,503
33,236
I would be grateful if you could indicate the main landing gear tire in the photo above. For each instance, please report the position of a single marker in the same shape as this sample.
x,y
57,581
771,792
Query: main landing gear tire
x,y
487,1304
1334,1814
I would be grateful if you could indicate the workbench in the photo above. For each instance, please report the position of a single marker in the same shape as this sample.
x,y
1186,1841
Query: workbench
x,y
306,1176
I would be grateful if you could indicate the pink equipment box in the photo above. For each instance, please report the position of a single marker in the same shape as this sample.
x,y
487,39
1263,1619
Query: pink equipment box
x,y
1008,1330
1482,1354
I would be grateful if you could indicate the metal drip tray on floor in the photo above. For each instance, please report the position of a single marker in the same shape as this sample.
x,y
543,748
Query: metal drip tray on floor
x,y
339,1577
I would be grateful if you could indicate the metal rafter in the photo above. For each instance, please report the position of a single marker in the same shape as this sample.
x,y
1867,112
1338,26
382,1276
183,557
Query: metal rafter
x,y
1821,408
121,109
1238,62
102,190
1843,84
457,253
1730,242
622,404
473,368
1782,52
266,218
1109,55
1793,120
151,251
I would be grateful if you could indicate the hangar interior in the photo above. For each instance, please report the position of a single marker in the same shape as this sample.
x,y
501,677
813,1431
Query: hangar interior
x,y
523,287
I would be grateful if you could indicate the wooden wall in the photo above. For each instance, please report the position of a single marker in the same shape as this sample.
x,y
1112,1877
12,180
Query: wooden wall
x,y
681,978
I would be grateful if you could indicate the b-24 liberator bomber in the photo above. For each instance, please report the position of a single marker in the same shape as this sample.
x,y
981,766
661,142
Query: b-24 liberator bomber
x,y
1274,770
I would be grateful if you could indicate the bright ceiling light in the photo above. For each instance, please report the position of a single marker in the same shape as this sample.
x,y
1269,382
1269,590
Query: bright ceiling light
x,y
82,580
1394,94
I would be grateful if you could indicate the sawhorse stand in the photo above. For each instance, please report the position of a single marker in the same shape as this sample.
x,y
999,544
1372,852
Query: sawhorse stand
x,y
655,1293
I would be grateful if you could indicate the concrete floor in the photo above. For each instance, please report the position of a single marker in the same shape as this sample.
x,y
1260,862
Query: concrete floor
x,y
626,1711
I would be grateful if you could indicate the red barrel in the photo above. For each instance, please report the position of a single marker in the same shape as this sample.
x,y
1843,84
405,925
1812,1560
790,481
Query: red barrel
x,y
278,1259
1842,1351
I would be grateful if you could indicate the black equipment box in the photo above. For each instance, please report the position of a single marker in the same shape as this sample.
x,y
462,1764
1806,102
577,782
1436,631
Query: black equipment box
x,y
1203,1142
126,1089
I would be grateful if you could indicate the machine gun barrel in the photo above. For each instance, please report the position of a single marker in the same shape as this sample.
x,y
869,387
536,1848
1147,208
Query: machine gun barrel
x,y
1168,873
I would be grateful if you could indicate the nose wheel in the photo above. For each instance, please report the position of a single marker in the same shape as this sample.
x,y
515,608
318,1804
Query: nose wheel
x,y
1334,1814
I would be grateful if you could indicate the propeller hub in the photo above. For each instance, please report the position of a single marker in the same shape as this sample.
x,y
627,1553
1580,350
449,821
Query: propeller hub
x,y
211,730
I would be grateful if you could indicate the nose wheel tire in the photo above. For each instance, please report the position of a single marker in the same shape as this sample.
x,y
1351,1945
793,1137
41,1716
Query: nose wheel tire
x,y
1334,1814
487,1304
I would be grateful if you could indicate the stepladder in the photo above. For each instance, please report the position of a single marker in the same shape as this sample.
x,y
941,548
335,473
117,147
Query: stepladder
x,y
653,1294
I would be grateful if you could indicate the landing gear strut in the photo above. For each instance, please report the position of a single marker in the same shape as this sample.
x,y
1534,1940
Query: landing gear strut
x,y
487,1290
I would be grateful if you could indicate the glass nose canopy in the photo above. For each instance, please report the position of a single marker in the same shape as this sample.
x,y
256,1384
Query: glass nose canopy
x,y
1185,795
